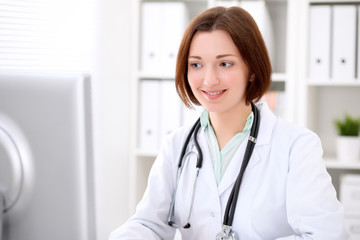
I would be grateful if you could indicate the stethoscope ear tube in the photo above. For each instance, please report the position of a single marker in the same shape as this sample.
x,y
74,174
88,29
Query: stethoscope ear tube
x,y
187,140
231,204
200,157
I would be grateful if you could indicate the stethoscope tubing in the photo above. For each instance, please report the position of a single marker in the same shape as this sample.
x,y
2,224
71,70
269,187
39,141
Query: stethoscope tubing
x,y
231,204
194,130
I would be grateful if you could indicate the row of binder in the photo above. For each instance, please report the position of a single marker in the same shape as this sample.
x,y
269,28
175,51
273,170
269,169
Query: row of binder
x,y
162,27
160,112
333,47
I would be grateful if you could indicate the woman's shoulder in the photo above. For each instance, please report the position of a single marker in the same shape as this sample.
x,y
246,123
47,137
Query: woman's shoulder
x,y
289,133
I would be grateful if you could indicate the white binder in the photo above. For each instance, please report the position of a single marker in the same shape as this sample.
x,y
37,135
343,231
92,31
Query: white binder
x,y
170,108
149,115
350,193
344,43
151,32
162,28
259,11
319,44
358,49
175,19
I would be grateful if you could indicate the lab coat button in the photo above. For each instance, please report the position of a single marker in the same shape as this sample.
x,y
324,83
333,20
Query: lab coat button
x,y
212,214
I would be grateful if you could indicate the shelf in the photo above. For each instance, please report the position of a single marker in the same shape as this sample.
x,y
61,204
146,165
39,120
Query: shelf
x,y
278,77
185,1
333,163
333,1
333,83
146,153
145,76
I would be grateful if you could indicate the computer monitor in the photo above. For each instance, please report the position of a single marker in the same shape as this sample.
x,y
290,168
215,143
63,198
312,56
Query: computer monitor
x,y
46,159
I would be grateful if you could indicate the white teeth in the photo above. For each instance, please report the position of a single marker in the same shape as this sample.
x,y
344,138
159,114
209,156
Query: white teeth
x,y
215,93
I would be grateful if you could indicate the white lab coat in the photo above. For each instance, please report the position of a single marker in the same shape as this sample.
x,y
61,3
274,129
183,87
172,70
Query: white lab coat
x,y
286,192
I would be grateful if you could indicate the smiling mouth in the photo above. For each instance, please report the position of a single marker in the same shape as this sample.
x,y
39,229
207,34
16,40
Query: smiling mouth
x,y
214,93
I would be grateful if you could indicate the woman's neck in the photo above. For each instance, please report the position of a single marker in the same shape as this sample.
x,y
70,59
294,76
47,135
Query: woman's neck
x,y
228,124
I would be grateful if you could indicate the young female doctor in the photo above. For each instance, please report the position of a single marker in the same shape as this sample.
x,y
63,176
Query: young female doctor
x,y
243,173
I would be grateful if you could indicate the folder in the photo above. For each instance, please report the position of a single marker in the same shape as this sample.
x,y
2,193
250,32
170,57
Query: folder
x,y
170,108
357,75
175,20
151,33
344,43
350,193
319,44
260,12
149,115
162,28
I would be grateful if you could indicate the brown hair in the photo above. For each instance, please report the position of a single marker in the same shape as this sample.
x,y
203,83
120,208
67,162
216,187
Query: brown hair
x,y
247,38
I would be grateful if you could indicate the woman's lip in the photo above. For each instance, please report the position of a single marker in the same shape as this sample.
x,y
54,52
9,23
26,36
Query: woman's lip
x,y
213,94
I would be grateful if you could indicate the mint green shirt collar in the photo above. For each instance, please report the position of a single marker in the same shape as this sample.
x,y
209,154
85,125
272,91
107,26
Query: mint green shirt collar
x,y
221,159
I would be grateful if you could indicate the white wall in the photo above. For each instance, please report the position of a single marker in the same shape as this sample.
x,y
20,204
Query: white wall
x,y
112,78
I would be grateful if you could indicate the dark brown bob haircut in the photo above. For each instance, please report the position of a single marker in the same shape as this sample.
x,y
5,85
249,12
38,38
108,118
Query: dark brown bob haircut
x,y
247,38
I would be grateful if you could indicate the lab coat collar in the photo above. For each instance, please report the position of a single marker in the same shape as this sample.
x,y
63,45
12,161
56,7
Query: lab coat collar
x,y
267,123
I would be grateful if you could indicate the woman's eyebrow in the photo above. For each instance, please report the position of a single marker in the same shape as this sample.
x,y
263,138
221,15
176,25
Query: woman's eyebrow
x,y
197,57
225,55
218,56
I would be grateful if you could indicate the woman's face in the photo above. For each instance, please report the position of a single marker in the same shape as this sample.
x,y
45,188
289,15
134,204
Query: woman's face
x,y
217,74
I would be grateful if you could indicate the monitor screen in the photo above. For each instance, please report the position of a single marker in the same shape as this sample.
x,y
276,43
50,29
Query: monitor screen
x,y
46,160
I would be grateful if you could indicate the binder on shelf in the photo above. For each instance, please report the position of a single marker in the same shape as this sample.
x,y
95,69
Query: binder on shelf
x,y
319,44
350,193
350,198
344,42
260,12
149,115
162,28
358,48
170,108
175,19
352,225
151,30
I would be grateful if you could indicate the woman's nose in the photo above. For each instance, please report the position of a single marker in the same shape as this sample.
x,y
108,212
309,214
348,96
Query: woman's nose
x,y
210,77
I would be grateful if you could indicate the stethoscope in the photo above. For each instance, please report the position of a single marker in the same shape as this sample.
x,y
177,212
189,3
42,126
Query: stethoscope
x,y
226,233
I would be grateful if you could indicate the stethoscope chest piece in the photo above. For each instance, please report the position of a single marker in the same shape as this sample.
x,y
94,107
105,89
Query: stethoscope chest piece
x,y
226,234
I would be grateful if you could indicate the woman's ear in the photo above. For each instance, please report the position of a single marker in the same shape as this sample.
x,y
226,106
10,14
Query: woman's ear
x,y
252,77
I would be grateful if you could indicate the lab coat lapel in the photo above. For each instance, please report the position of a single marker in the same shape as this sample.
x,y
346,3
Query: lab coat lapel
x,y
232,170
261,150
207,170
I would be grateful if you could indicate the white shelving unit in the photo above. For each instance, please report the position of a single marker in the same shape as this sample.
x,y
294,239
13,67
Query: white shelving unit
x,y
310,102
325,98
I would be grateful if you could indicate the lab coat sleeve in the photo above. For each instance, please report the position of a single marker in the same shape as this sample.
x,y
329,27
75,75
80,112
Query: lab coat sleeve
x,y
312,207
150,219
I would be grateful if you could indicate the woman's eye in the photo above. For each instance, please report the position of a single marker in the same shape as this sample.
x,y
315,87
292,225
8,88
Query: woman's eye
x,y
195,65
225,64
